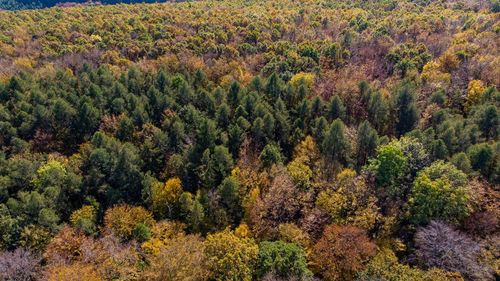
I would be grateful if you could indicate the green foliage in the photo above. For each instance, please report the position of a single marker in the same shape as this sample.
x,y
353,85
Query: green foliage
x,y
335,145
367,142
378,111
406,109
271,154
484,158
406,57
337,108
389,166
462,162
229,192
283,259
141,232
440,191
210,115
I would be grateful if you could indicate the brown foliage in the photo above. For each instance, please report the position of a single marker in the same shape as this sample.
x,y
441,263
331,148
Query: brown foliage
x,y
314,222
342,251
66,247
182,259
106,258
280,204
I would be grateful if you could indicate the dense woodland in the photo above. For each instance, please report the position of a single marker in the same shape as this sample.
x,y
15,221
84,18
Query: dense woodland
x,y
40,4
251,140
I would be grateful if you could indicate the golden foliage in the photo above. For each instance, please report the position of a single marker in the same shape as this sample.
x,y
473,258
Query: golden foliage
x,y
351,202
182,259
164,196
87,212
434,77
474,91
162,233
230,257
242,231
72,272
121,220
302,78
300,173
385,266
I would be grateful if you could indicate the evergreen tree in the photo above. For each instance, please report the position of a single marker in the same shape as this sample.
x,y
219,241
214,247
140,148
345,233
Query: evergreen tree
x,y
229,193
488,120
223,115
317,107
320,128
258,130
337,108
335,144
233,97
378,111
407,111
273,87
367,142
269,125
438,149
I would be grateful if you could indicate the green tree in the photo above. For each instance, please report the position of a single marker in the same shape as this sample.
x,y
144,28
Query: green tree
x,y
389,166
407,112
378,111
367,142
462,162
440,191
283,259
273,86
112,171
335,144
438,149
488,120
337,108
233,96
482,158
230,199
271,154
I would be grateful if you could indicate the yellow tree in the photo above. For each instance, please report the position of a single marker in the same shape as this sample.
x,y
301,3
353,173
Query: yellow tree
x,y
164,197
231,257
127,222
350,202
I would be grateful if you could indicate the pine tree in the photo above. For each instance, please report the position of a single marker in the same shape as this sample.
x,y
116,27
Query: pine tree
x,y
407,110
335,145
378,111
269,125
367,142
258,130
337,108
317,106
233,97
319,130
223,115
273,87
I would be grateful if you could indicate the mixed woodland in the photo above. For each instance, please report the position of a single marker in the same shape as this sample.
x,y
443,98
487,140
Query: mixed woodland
x,y
251,140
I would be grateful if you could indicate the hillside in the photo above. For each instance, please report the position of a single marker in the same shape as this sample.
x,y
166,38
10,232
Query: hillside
x,y
39,4
251,140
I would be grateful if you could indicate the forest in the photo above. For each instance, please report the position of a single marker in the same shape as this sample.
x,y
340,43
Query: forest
x,y
41,4
248,140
